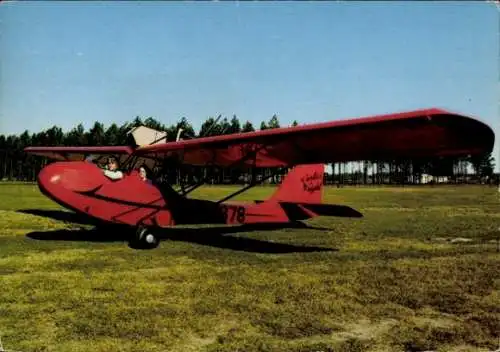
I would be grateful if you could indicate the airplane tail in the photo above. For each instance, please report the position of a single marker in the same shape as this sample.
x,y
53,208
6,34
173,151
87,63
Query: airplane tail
x,y
303,184
300,195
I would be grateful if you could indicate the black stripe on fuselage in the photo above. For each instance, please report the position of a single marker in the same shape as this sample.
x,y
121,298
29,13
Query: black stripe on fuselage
x,y
92,194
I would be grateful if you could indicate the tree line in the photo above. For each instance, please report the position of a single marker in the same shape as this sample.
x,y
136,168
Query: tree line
x,y
17,165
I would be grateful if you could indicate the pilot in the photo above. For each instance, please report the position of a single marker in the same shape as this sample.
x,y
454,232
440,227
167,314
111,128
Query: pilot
x,y
111,170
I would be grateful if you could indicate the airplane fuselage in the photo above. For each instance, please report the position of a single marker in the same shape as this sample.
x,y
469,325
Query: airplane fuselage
x,y
82,187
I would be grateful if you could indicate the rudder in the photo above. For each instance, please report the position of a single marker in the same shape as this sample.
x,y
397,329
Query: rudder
x,y
303,184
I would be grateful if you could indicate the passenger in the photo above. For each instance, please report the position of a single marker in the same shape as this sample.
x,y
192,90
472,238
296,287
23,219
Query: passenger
x,y
111,170
143,175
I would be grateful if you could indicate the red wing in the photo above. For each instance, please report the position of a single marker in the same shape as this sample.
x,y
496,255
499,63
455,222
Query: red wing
x,y
78,153
423,133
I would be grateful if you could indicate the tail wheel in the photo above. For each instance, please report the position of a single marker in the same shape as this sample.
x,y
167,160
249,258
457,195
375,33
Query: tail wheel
x,y
145,238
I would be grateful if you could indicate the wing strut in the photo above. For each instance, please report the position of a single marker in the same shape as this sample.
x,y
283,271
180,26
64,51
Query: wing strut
x,y
252,184
251,154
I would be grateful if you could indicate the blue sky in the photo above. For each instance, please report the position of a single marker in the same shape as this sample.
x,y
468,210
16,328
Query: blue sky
x,y
64,63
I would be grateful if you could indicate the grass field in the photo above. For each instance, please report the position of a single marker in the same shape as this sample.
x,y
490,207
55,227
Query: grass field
x,y
419,272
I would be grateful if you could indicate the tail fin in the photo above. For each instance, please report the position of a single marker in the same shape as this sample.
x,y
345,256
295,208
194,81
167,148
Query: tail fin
x,y
304,184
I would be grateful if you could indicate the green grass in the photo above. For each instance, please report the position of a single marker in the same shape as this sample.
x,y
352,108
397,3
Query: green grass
x,y
393,281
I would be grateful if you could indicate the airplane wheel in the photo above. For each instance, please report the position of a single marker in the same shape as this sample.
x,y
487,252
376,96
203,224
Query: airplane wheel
x,y
145,239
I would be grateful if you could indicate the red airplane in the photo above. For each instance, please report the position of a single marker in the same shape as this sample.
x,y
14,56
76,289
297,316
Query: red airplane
x,y
147,207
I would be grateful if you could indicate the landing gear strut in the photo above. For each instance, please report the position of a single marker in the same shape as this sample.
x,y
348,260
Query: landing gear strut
x,y
144,238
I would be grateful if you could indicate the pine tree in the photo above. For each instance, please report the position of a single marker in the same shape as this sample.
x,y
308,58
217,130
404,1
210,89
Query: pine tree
x,y
95,135
111,135
273,122
235,125
483,164
187,129
209,128
247,127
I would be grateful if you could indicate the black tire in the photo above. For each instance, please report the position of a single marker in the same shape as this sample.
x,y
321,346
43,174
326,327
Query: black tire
x,y
144,238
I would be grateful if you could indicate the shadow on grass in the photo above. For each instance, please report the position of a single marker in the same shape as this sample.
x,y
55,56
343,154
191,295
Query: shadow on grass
x,y
60,215
219,236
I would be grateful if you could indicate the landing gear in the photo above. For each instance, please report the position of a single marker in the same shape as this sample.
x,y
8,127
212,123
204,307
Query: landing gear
x,y
144,238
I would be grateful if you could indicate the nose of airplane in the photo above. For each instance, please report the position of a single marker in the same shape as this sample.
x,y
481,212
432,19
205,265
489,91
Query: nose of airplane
x,y
73,176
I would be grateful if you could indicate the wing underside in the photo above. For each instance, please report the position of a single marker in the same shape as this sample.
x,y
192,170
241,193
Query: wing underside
x,y
419,134
80,153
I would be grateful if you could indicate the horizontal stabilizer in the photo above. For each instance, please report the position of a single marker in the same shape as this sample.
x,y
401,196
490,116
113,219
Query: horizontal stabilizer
x,y
303,211
333,210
